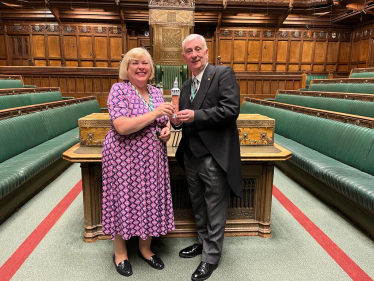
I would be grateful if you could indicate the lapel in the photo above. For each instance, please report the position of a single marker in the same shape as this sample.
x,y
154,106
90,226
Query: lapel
x,y
204,86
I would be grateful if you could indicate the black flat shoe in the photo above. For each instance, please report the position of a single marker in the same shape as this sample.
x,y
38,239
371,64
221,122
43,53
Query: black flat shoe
x,y
124,267
203,271
155,261
191,251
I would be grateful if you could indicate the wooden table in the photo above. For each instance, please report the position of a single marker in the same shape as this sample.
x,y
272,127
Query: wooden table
x,y
247,216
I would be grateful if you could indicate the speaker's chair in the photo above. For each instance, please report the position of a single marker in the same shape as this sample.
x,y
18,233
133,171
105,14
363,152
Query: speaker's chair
x,y
167,73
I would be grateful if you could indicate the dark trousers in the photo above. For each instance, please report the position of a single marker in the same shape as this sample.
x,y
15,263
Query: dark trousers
x,y
209,192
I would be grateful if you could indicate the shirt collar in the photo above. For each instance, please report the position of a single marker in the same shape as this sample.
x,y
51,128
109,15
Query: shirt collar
x,y
200,75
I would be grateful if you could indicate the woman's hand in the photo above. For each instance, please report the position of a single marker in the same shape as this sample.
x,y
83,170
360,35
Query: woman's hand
x,y
165,108
165,134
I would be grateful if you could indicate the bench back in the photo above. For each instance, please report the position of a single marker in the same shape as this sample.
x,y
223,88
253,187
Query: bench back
x,y
347,143
10,83
310,77
17,100
362,73
355,107
365,86
21,133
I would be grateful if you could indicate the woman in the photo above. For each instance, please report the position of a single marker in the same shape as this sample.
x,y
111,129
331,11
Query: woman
x,y
136,184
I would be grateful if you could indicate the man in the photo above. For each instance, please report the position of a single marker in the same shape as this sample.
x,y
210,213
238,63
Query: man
x,y
209,149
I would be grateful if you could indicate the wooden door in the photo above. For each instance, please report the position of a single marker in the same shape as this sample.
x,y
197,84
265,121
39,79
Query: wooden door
x,y
20,50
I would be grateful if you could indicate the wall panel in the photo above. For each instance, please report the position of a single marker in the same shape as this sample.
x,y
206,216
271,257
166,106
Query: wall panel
x,y
54,50
38,45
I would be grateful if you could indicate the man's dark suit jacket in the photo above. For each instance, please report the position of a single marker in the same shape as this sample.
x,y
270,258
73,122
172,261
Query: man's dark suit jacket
x,y
216,106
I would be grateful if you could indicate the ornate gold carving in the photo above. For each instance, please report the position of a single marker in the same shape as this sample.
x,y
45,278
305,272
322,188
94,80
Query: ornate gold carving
x,y
171,38
180,17
18,28
172,3
170,55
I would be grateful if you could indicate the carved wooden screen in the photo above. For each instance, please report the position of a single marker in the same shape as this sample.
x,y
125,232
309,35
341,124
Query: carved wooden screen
x,y
167,46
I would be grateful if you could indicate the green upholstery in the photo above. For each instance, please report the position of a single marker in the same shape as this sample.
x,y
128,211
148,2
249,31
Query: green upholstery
x,y
10,83
355,107
36,140
338,154
310,77
362,75
167,73
17,100
363,88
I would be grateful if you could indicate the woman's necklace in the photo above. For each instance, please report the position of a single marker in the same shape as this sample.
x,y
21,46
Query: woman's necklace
x,y
149,106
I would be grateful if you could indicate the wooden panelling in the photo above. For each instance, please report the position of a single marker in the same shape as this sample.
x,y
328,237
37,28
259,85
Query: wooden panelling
x,y
320,52
332,52
86,47
307,51
265,86
115,48
282,50
87,63
355,51
2,46
364,50
267,51
38,45
344,51
40,62
295,51
54,47
225,50
101,47
239,50
54,62
253,51
70,47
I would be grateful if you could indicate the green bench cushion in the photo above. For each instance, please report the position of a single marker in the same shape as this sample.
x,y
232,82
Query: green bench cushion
x,y
351,182
346,143
363,88
29,163
355,107
362,75
34,141
21,133
17,100
10,83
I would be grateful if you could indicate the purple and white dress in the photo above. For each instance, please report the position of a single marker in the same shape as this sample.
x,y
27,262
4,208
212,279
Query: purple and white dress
x,y
136,184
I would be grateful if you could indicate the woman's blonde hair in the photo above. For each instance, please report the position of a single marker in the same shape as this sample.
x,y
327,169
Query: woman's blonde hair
x,y
135,54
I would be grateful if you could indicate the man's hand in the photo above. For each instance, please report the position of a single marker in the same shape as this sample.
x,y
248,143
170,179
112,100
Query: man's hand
x,y
186,116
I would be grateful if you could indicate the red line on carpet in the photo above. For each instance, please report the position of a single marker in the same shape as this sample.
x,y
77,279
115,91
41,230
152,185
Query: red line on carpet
x,y
11,266
341,258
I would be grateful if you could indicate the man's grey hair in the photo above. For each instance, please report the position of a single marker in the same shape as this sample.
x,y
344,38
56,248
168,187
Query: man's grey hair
x,y
192,37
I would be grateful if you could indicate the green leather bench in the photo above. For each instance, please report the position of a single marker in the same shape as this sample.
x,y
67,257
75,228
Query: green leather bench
x,y
348,85
333,159
19,97
362,73
30,144
355,107
310,77
12,81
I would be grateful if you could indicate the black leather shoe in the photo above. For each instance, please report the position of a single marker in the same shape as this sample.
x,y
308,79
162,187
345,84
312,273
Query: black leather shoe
x,y
155,261
191,251
203,271
123,268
